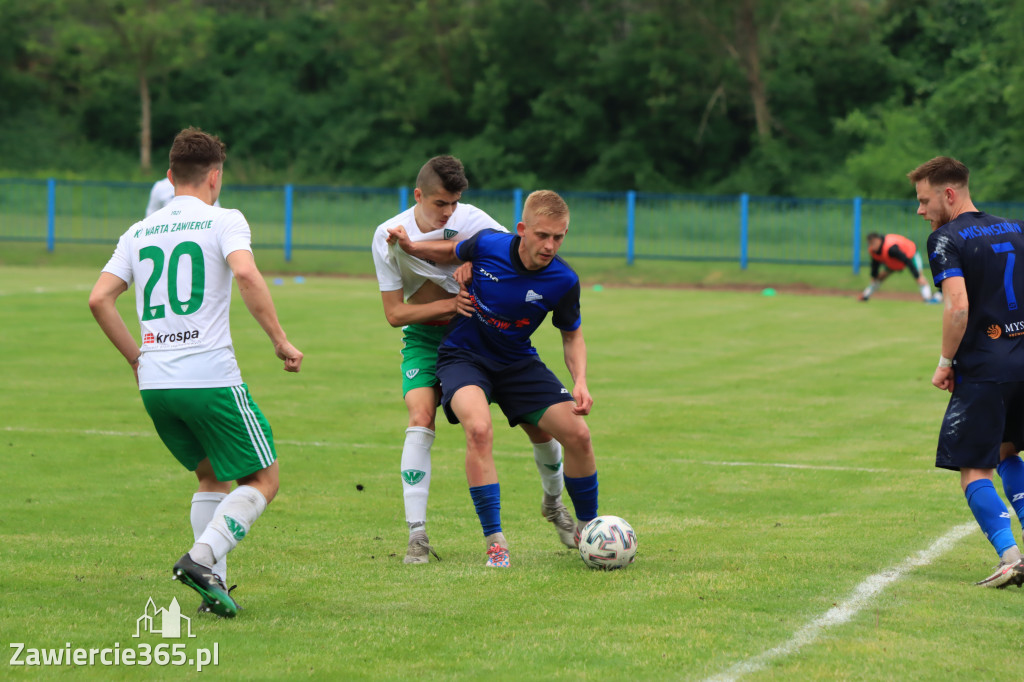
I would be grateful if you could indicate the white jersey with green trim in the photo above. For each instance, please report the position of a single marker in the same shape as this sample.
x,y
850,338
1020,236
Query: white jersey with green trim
x,y
177,259
398,270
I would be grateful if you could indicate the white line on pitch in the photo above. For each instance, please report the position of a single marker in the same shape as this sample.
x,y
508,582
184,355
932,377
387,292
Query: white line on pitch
x,y
785,465
148,434
47,290
498,451
838,615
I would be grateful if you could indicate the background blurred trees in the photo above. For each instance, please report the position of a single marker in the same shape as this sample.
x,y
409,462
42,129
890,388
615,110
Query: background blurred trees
x,y
798,97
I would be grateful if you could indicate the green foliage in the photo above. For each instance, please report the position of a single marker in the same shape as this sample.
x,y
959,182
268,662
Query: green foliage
x,y
653,95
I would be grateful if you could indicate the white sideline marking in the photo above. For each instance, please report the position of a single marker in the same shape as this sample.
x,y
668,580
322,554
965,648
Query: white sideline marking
x,y
837,615
47,290
328,444
786,465
150,434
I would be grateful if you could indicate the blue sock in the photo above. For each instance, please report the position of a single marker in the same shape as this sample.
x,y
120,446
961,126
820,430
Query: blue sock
x,y
583,493
991,514
487,500
1011,470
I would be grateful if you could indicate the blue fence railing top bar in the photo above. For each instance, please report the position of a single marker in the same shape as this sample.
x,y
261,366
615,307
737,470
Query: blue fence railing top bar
x,y
629,225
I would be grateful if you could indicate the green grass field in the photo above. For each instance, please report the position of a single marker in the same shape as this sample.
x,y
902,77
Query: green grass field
x,y
774,454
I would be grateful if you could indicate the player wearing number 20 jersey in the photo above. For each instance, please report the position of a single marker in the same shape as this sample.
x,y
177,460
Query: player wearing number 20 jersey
x,y
983,249
177,259
182,260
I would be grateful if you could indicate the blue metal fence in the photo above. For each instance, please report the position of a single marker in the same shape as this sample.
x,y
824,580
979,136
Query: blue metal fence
x,y
630,225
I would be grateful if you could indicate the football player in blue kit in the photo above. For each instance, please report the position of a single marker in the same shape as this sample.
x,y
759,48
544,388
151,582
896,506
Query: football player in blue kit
x,y
486,354
973,258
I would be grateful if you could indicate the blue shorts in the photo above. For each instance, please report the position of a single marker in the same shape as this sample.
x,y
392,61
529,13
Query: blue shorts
x,y
518,389
979,418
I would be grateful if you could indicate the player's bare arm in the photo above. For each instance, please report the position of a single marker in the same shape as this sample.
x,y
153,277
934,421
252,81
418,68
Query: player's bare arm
x,y
574,348
954,324
421,307
102,303
441,251
254,291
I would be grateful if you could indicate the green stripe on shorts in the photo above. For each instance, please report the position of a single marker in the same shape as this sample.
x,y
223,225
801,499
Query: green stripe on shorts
x,y
222,424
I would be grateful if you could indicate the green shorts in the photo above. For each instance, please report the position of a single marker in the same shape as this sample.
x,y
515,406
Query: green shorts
x,y
222,424
419,356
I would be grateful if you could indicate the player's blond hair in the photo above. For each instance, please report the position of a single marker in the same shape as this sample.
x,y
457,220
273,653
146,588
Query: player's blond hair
x,y
544,202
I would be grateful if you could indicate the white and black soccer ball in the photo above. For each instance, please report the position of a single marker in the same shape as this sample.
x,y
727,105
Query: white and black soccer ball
x,y
607,543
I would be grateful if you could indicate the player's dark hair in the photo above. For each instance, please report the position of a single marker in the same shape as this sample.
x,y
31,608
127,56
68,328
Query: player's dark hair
x,y
193,154
941,171
442,172
874,235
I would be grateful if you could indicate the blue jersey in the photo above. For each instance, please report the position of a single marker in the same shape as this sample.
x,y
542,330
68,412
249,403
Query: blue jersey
x,y
510,302
983,250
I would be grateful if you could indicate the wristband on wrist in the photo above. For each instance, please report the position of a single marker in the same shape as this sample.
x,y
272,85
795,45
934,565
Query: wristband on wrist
x,y
945,362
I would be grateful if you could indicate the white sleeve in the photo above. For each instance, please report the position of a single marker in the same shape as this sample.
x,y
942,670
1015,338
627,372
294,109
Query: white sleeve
x,y
159,196
476,220
154,204
389,276
235,234
120,264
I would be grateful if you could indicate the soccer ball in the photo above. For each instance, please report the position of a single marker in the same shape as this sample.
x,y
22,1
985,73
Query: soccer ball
x,y
607,542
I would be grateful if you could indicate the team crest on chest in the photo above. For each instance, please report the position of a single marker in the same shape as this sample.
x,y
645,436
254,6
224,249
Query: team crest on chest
x,y
449,233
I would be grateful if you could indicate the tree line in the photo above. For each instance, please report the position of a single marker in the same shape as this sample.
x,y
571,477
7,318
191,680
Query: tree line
x,y
827,98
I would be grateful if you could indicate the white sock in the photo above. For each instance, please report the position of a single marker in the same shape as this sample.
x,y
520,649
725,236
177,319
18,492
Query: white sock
x,y
232,520
926,292
203,507
416,475
549,464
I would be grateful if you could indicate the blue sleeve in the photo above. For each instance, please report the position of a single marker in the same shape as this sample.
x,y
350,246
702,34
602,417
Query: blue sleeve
x,y
566,313
943,257
466,250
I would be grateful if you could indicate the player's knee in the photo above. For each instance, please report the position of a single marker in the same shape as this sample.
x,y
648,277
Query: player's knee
x,y
577,436
422,417
479,435
265,480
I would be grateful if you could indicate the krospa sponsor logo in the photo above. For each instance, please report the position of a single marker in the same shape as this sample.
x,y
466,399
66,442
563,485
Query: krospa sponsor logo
x,y
188,337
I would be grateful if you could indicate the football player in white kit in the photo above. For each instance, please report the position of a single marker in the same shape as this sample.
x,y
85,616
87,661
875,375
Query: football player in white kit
x,y
419,296
182,259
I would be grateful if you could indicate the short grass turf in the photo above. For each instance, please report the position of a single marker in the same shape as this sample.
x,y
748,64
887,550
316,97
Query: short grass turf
x,y
772,453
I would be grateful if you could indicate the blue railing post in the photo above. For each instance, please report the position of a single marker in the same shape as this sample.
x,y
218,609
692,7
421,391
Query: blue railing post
x,y
517,207
744,229
856,235
630,226
403,198
288,214
51,214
